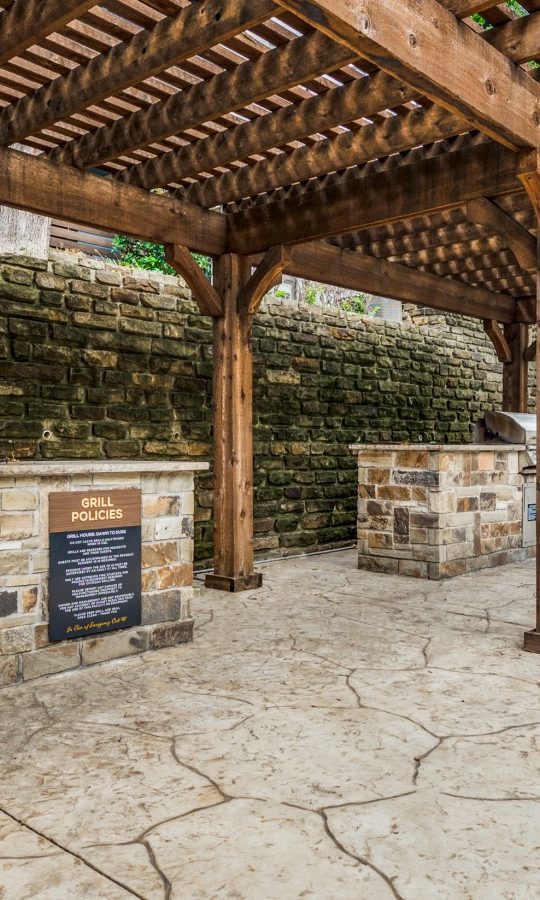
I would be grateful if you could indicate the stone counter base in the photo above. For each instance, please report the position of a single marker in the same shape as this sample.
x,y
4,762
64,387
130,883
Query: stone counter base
x,y
55,658
439,512
166,555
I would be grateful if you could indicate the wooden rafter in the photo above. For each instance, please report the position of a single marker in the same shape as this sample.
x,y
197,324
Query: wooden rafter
x,y
361,97
28,21
40,186
251,81
406,39
172,40
518,40
352,204
464,8
340,152
324,263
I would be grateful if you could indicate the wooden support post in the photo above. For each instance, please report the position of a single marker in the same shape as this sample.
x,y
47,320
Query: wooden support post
x,y
232,301
233,434
529,173
516,369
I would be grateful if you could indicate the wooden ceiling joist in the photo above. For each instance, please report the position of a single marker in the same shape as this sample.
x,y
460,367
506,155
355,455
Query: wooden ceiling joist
x,y
464,8
296,121
273,72
340,152
173,40
29,21
406,40
518,40
442,182
35,184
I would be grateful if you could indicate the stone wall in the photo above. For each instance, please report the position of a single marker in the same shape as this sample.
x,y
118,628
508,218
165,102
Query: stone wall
x,y
103,362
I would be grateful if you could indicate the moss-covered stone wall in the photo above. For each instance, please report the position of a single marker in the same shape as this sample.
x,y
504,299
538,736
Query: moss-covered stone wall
x,y
98,361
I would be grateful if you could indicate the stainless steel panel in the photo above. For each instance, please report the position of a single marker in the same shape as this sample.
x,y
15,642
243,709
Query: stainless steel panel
x,y
513,428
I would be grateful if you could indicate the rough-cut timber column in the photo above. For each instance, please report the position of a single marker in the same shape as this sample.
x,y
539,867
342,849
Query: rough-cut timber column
x,y
515,373
529,173
233,433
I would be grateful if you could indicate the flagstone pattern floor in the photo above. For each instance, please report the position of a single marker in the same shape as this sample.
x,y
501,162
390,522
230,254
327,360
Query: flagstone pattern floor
x,y
337,734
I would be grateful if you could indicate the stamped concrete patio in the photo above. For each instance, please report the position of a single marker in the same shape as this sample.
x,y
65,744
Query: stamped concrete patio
x,y
335,735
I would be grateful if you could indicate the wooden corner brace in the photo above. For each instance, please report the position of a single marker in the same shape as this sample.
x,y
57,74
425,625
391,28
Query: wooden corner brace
x,y
208,299
496,335
267,275
528,172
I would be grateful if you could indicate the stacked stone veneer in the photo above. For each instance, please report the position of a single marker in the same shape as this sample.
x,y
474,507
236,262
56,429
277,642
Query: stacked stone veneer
x,y
433,513
103,362
167,563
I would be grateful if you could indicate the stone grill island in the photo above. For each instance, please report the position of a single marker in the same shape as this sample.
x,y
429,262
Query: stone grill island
x,y
125,530
439,510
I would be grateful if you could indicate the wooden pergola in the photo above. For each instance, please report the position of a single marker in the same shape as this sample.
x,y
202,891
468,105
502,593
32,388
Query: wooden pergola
x,y
389,146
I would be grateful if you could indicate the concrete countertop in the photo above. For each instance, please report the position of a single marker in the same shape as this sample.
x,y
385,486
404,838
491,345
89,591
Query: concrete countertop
x,y
438,448
55,468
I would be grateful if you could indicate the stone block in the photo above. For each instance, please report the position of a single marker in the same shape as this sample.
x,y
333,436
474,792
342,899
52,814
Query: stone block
x,y
161,606
148,580
114,646
18,500
168,528
171,633
159,554
382,564
16,640
396,493
378,458
41,636
29,599
413,568
421,478
467,504
174,577
378,540
412,459
16,527
53,659
9,666
162,506
8,602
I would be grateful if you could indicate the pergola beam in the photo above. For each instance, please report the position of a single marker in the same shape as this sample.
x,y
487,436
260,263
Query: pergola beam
x,y
405,39
37,185
277,70
171,41
347,269
29,21
520,241
352,204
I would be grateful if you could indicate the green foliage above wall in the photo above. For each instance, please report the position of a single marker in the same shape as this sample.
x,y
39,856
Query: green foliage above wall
x,y
146,255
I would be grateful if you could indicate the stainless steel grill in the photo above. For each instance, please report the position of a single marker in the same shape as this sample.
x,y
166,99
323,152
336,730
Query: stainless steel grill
x,y
519,428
